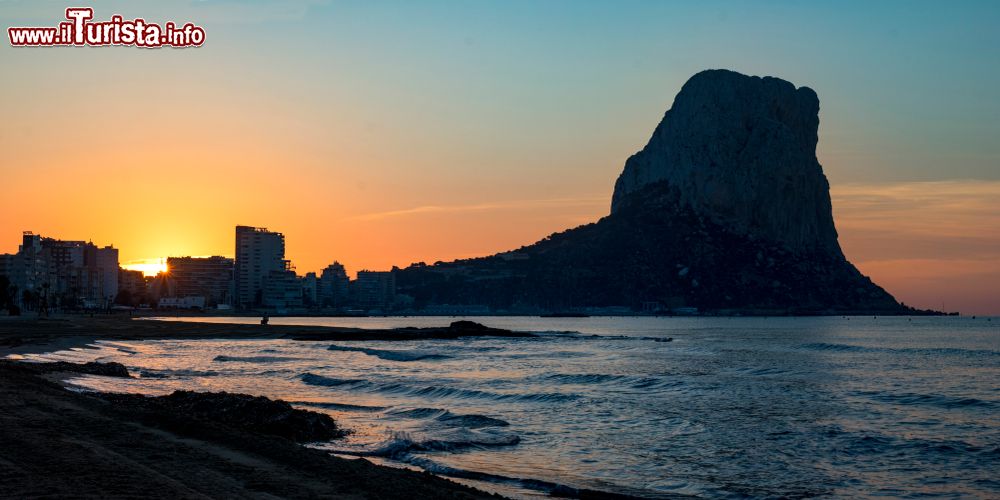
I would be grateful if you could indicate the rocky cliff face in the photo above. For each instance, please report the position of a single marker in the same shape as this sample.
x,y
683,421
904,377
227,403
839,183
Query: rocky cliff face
x,y
726,209
742,151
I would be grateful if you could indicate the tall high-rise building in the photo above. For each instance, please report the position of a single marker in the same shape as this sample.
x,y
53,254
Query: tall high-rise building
x,y
208,277
102,264
258,253
34,271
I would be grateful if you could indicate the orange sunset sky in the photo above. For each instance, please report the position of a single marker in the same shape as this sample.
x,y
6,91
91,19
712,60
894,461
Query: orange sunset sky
x,y
381,136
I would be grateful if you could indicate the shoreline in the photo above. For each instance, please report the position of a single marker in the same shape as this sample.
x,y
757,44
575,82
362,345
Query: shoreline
x,y
64,443
713,313
59,442
92,447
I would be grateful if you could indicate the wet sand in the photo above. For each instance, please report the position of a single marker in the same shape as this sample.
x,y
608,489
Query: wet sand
x,y
59,443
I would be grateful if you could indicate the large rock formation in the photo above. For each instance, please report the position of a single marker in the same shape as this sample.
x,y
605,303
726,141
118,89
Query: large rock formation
x,y
725,209
741,150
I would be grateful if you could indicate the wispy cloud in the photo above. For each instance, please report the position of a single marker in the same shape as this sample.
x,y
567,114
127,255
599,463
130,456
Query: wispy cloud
x,y
952,197
509,205
932,244
915,220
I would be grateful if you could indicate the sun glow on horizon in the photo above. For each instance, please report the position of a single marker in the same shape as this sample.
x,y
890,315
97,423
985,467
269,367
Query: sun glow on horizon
x,y
149,267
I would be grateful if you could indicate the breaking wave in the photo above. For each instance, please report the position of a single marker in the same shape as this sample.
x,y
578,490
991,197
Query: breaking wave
x,y
320,380
448,418
548,487
391,355
625,381
941,401
919,351
822,346
253,359
166,373
402,444
432,391
340,406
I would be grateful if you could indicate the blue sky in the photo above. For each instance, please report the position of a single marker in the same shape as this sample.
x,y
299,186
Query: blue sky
x,y
907,87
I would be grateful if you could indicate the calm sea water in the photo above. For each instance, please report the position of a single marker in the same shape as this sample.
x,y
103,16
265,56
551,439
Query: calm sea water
x,y
732,407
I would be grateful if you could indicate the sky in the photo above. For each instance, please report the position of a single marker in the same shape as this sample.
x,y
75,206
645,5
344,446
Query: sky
x,y
386,133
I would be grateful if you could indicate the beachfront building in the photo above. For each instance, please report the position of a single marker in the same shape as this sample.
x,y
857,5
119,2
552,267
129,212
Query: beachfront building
x,y
207,277
193,303
334,286
310,289
281,290
9,264
259,252
131,288
64,273
101,265
456,310
374,290
33,265
10,267
160,286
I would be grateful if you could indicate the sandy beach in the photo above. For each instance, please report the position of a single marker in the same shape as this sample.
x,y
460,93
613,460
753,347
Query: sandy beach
x,y
60,443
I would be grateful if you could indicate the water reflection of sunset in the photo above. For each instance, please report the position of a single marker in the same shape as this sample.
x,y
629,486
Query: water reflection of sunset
x,y
589,409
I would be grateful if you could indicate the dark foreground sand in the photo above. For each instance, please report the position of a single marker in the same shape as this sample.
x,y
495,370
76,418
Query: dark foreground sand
x,y
55,443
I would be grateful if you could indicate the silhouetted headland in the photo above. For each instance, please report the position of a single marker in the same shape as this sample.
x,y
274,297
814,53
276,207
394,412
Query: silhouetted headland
x,y
726,210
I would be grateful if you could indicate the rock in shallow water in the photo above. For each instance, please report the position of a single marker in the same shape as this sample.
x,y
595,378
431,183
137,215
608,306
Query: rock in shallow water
x,y
92,368
254,413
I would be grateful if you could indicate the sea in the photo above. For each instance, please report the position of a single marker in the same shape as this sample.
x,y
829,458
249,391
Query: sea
x,y
653,407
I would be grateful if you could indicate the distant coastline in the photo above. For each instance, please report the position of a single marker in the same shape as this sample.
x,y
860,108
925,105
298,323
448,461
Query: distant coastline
x,y
714,314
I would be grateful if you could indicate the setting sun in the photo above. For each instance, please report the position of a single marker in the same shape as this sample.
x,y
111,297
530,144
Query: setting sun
x,y
149,267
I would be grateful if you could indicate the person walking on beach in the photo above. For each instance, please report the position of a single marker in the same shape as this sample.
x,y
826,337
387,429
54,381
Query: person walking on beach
x,y
263,320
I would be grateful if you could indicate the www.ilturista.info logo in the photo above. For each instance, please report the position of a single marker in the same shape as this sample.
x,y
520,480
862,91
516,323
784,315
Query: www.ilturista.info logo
x,y
79,31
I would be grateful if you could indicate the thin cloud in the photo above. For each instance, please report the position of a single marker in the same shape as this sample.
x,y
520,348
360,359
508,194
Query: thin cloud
x,y
915,220
551,203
